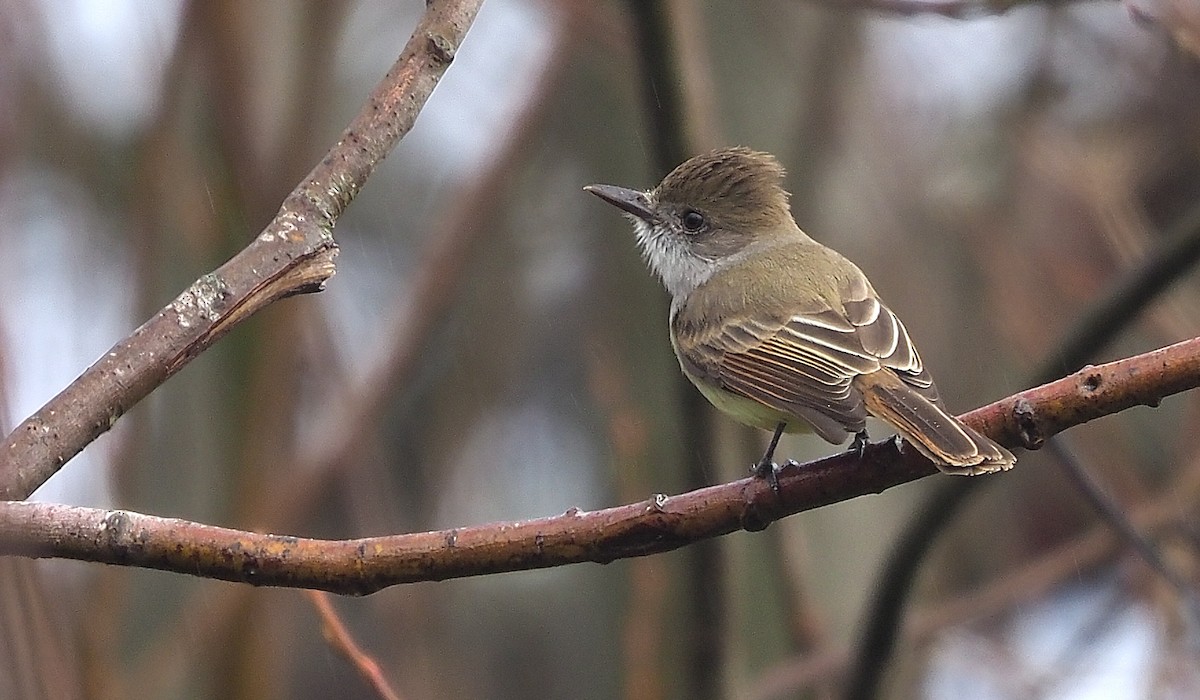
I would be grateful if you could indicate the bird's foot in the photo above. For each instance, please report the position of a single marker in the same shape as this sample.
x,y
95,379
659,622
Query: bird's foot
x,y
766,469
859,444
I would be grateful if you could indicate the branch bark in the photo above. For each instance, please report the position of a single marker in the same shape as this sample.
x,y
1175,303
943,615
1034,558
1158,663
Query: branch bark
x,y
294,254
659,524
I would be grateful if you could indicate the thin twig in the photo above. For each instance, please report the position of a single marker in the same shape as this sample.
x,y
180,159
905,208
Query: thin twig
x,y
1111,513
342,641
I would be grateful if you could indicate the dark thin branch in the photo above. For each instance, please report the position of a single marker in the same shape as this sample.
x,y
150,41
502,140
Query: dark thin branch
x,y
664,107
293,255
1114,516
1106,318
1027,581
659,524
662,86
899,571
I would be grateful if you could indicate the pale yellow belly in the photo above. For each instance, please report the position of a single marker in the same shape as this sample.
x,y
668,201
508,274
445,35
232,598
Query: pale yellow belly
x,y
749,411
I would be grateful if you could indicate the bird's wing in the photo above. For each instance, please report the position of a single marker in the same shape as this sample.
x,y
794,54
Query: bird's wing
x,y
804,362
881,335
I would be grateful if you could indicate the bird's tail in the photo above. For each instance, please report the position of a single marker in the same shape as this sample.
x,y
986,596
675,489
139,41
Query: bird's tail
x,y
953,446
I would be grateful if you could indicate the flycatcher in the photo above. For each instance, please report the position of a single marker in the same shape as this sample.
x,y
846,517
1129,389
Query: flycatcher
x,y
777,330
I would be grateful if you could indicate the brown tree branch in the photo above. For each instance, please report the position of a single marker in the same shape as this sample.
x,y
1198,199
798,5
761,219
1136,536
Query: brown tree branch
x,y
352,415
659,524
293,254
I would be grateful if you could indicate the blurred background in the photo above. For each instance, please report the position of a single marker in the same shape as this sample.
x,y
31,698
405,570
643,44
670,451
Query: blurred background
x,y
492,347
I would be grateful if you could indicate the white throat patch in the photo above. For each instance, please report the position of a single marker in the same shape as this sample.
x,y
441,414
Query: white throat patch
x,y
680,270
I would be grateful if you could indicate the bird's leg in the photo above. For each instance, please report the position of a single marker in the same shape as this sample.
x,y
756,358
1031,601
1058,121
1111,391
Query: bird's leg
x,y
859,445
765,468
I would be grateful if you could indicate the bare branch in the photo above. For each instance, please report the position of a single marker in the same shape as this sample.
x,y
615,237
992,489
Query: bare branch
x,y
293,254
657,525
343,642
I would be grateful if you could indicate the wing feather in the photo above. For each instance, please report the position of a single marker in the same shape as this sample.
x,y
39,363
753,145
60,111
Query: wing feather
x,y
828,359
805,363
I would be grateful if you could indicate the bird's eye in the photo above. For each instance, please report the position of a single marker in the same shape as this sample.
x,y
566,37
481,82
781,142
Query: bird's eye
x,y
692,221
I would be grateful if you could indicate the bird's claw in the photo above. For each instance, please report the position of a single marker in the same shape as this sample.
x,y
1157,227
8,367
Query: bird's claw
x,y
859,444
769,471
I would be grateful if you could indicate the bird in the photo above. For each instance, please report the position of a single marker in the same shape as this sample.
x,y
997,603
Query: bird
x,y
777,330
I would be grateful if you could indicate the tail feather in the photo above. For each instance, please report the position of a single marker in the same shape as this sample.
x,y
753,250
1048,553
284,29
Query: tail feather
x,y
954,447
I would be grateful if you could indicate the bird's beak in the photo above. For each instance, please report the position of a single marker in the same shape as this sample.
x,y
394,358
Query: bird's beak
x,y
629,200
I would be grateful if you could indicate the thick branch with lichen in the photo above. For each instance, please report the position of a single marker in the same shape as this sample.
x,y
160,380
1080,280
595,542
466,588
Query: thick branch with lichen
x,y
657,525
293,255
